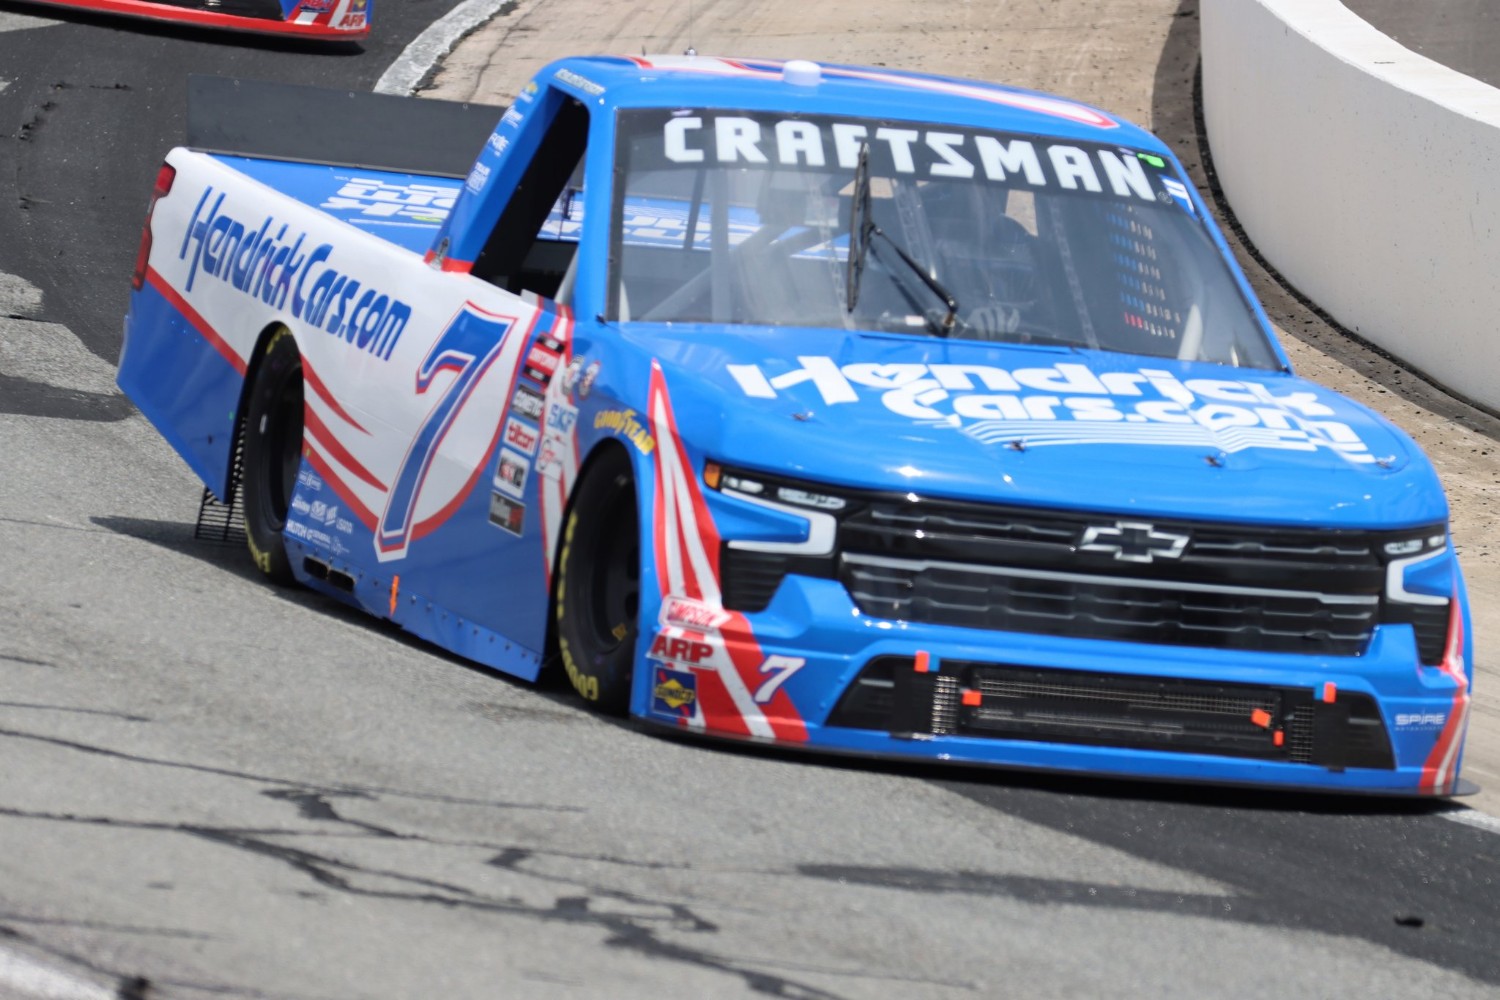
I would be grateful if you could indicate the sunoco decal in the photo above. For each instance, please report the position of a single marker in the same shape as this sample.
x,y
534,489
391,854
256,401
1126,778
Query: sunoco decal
x,y
1070,404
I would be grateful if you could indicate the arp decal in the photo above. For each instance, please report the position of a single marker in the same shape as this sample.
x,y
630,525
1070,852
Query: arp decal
x,y
675,649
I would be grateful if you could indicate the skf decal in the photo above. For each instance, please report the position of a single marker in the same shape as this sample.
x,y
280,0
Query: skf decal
x,y
687,567
557,463
626,424
269,265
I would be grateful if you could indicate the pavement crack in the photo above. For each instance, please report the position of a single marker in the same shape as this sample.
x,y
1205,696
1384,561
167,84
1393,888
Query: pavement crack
x,y
126,716
299,786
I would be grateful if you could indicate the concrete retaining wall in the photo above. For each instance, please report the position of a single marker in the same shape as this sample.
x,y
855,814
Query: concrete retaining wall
x,y
1368,175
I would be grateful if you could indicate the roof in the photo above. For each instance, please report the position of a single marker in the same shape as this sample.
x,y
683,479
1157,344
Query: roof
x,y
763,84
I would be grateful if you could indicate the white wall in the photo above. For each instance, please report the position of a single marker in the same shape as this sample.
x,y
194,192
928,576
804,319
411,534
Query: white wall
x,y
1368,175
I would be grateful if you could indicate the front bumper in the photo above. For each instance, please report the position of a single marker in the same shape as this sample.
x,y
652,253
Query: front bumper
x,y
1372,723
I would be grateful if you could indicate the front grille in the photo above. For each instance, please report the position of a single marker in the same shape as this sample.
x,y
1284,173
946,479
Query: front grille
x,y
1099,709
1099,607
1169,581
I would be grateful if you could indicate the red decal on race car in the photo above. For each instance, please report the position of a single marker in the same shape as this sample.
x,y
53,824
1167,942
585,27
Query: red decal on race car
x,y
1440,772
739,687
321,391
557,456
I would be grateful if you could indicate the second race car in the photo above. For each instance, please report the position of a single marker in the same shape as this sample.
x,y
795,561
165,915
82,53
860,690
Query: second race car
x,y
329,19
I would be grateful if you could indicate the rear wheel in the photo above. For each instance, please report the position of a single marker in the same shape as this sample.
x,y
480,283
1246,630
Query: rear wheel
x,y
272,452
599,585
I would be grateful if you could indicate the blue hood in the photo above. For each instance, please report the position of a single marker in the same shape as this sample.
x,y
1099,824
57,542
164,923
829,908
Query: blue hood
x,y
1042,426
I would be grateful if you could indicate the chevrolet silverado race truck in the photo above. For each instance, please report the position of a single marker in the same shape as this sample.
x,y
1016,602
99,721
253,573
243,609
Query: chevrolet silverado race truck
x,y
864,411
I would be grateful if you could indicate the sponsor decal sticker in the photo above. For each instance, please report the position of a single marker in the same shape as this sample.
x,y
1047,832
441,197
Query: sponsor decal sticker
x,y
365,198
520,436
626,424
821,143
679,650
1069,404
582,83
478,177
510,476
1420,720
674,692
527,402
265,262
507,514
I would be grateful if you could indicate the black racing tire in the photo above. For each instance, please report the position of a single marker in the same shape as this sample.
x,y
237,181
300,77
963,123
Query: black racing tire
x,y
598,593
272,452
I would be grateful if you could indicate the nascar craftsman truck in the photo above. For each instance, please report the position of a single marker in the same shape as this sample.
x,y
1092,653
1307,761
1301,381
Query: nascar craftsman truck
x,y
850,409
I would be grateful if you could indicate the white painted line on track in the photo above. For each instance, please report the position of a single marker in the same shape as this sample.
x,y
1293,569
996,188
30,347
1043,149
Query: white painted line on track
x,y
22,978
1474,818
433,44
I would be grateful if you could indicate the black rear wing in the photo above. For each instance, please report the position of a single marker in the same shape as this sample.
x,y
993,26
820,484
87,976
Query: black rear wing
x,y
286,121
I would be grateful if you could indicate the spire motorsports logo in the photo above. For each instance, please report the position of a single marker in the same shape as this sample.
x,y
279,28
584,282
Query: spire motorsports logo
x,y
1070,404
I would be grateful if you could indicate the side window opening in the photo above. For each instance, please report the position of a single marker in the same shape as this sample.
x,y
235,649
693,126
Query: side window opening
x,y
535,241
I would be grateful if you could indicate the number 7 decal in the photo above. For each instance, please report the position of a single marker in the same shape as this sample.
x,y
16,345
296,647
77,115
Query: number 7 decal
x,y
781,668
467,348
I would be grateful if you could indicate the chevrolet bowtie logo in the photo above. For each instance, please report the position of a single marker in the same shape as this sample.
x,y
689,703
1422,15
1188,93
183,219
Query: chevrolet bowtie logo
x,y
1133,541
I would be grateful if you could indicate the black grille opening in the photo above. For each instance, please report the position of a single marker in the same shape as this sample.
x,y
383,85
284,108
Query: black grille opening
x,y
1117,710
1109,608
1430,623
1127,577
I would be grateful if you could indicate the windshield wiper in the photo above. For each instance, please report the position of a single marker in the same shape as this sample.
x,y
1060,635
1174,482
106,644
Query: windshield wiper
x,y
862,229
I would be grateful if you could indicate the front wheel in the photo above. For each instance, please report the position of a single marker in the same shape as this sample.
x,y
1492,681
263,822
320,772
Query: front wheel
x,y
272,452
599,585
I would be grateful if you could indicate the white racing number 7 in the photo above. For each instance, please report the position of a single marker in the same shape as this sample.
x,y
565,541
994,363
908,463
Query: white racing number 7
x,y
780,668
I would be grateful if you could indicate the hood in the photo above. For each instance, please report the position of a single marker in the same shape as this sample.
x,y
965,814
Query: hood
x,y
1042,426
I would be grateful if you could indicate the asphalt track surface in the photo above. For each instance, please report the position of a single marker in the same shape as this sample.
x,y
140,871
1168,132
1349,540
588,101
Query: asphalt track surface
x,y
1461,34
212,788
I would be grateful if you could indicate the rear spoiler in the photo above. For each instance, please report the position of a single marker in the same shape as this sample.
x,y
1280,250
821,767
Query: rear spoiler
x,y
285,121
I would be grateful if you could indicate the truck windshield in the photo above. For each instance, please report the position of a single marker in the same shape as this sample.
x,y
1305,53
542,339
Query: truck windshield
x,y
744,217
